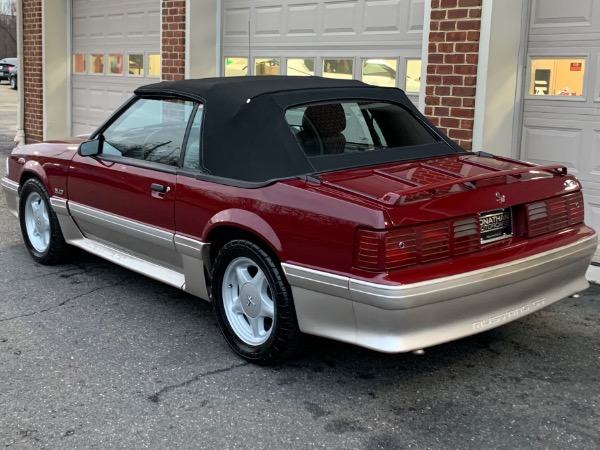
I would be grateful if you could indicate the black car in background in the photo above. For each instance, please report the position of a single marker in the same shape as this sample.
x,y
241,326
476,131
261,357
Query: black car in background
x,y
12,77
5,65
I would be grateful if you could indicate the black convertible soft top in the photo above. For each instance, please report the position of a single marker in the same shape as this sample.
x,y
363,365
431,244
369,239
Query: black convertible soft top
x,y
244,133
236,90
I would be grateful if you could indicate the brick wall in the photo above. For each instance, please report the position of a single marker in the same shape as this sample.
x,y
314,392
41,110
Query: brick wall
x,y
32,70
452,67
173,40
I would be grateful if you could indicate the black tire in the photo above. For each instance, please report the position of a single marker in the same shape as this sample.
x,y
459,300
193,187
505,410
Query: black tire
x,y
53,249
283,336
13,82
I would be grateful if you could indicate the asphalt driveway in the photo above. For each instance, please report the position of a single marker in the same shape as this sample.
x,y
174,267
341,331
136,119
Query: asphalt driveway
x,y
95,356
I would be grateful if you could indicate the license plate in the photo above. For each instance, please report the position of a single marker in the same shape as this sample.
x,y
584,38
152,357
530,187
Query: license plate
x,y
495,225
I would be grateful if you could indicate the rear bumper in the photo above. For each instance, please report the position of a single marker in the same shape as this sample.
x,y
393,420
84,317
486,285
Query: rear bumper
x,y
402,318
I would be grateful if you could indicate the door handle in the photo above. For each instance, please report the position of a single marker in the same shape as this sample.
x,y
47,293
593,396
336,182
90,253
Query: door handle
x,y
156,187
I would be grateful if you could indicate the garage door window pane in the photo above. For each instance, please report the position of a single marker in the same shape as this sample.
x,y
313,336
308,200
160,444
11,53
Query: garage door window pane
x,y
338,68
379,72
413,76
266,66
79,63
154,65
236,67
115,64
561,77
135,65
301,67
97,63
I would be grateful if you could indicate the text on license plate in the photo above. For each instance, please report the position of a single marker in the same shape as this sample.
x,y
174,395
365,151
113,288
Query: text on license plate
x,y
495,225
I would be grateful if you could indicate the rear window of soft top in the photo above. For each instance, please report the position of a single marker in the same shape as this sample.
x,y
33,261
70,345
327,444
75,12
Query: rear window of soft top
x,y
355,126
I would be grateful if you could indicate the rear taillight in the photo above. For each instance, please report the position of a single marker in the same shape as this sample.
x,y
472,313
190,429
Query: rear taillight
x,y
466,236
554,214
367,254
406,246
402,247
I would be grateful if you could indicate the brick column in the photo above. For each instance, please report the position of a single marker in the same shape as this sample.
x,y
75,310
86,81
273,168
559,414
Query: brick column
x,y
173,40
32,71
452,67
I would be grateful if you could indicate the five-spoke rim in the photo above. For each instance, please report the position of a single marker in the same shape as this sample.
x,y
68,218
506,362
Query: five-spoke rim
x,y
37,222
248,301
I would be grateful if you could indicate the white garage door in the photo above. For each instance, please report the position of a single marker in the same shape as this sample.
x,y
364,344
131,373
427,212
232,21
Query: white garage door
x,y
561,118
377,41
116,48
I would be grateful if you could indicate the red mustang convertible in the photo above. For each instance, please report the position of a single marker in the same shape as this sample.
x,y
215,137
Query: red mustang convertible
x,y
307,205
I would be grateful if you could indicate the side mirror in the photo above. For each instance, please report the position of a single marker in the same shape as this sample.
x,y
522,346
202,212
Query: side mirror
x,y
89,148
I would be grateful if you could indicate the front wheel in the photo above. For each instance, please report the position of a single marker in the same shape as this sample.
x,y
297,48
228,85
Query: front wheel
x,y
39,225
253,303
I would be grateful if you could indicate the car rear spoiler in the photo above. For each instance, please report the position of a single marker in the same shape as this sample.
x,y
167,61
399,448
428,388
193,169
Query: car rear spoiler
x,y
496,176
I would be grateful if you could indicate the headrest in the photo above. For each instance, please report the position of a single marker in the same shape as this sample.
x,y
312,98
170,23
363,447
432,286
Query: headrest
x,y
326,119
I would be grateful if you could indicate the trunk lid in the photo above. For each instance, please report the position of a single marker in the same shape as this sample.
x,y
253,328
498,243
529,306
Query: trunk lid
x,y
452,186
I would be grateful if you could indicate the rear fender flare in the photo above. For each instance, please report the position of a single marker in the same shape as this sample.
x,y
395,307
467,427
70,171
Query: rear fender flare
x,y
247,221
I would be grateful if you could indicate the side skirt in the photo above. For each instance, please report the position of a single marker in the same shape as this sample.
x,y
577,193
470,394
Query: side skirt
x,y
192,280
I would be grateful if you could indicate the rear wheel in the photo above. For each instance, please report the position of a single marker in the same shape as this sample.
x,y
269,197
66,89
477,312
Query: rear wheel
x,y
253,303
13,82
39,225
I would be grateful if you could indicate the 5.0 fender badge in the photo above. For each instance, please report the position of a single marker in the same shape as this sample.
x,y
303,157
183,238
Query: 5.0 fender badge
x,y
500,198
59,191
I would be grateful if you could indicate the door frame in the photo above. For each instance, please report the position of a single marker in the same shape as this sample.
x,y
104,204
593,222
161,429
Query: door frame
x,y
521,80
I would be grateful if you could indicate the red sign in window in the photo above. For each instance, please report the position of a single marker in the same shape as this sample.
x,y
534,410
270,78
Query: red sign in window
x,y
576,67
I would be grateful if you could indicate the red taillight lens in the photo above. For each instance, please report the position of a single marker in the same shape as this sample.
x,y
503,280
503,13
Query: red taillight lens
x,y
554,214
384,250
402,247
366,252
433,241
575,207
